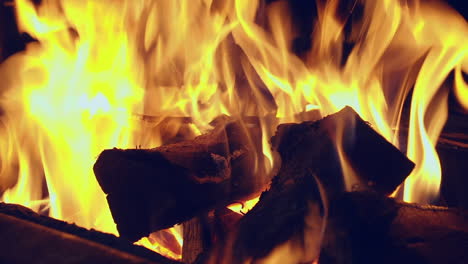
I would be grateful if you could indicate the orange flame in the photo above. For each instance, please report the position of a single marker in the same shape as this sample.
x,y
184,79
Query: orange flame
x,y
167,242
244,207
98,64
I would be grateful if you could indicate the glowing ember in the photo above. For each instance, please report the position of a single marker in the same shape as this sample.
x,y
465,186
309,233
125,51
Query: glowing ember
x,y
99,64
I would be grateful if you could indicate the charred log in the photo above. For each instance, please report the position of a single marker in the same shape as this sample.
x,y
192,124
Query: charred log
x,y
314,147
149,190
47,240
311,174
370,228
453,157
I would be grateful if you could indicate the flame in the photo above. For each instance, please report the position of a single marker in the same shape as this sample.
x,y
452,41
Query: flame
x,y
244,207
167,242
461,87
448,52
98,66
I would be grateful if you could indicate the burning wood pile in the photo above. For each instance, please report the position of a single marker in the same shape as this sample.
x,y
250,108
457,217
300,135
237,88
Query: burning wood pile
x,y
312,207
309,202
231,131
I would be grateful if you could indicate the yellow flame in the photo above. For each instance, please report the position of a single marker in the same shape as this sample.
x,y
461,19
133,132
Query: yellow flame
x,y
461,87
448,50
158,242
244,207
99,65
75,97
351,179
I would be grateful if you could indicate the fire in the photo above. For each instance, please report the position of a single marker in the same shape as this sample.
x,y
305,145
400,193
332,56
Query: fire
x,y
98,66
167,242
244,207
448,53
64,104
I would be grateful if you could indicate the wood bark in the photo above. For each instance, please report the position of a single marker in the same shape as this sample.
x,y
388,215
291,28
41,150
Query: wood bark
x,y
149,190
28,237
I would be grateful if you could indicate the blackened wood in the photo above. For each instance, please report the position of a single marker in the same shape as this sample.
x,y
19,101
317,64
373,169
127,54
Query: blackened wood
x,y
28,237
10,37
37,244
366,227
453,157
312,147
149,190
221,221
452,148
278,217
310,171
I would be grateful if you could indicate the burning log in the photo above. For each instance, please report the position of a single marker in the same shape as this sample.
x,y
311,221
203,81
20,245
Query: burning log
x,y
364,227
149,190
293,209
47,240
312,147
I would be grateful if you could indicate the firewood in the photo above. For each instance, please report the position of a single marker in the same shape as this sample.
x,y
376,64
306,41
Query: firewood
x,y
365,227
278,217
149,190
194,239
28,237
312,146
220,222
309,176
203,233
